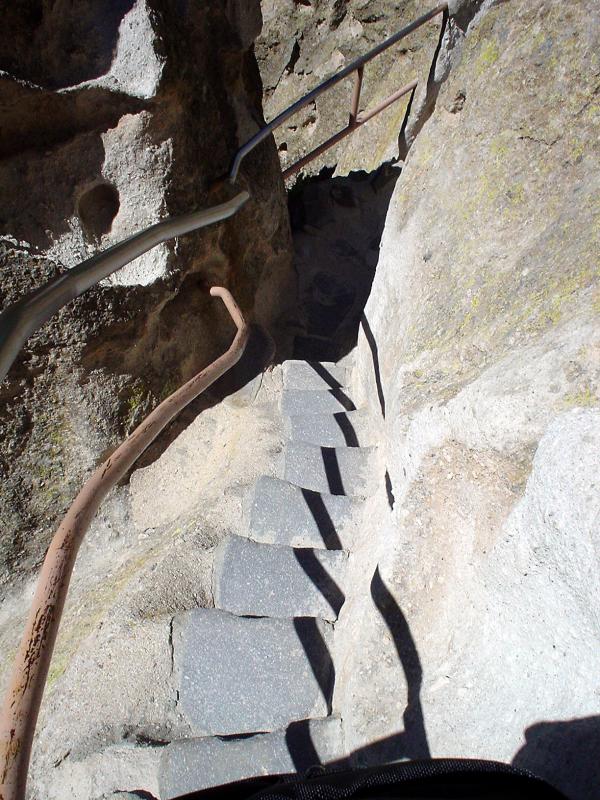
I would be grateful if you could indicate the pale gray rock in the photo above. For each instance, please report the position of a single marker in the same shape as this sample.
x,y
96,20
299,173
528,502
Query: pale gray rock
x,y
315,402
342,429
314,375
478,353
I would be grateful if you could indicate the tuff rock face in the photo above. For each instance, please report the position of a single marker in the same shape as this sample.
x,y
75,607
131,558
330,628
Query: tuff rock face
x,y
114,118
302,43
479,353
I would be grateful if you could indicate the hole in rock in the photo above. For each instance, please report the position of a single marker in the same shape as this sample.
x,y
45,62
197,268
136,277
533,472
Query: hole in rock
x,y
97,208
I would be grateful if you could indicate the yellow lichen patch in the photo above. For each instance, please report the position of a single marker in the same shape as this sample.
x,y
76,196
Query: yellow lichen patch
x,y
584,398
489,54
93,610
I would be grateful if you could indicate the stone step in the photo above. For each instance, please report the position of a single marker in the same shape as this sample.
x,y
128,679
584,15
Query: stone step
x,y
281,513
313,375
338,470
191,765
343,429
264,580
325,401
240,675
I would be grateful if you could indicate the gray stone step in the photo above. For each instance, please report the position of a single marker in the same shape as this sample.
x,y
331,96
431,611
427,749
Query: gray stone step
x,y
337,470
191,765
313,375
240,675
281,513
296,401
343,429
264,580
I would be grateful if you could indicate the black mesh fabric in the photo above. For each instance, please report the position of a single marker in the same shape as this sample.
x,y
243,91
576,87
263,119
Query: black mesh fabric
x,y
435,779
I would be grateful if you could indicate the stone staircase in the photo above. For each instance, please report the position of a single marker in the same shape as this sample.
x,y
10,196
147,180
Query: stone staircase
x,y
256,674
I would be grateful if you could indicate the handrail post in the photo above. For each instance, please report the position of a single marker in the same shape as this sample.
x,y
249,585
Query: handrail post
x,y
356,96
30,669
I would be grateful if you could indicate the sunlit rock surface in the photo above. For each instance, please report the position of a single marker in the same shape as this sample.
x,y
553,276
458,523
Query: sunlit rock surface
x,y
480,356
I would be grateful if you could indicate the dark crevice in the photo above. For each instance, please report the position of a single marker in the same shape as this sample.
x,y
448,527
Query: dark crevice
x,y
409,131
294,56
337,225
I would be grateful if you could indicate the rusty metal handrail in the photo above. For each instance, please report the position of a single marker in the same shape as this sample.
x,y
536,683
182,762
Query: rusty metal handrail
x,y
19,320
23,699
356,120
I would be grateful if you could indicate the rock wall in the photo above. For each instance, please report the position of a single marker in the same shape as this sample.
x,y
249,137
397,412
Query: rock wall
x,y
303,43
111,120
479,354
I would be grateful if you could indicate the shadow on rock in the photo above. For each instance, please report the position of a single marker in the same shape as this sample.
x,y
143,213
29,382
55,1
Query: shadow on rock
x,y
566,754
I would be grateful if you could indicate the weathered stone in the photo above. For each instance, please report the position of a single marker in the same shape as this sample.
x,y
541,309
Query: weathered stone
x,y
315,402
261,580
195,764
303,43
314,375
281,513
343,429
338,470
479,354
242,675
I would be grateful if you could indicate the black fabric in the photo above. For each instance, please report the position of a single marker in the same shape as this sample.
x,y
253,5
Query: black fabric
x,y
433,779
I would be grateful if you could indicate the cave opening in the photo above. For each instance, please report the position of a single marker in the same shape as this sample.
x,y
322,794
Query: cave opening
x,y
337,224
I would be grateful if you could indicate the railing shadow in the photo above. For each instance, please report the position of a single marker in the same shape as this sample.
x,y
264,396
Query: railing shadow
x,y
370,338
327,586
322,518
317,654
408,743
413,742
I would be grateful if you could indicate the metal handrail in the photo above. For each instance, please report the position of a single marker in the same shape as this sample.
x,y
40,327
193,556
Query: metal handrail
x,y
19,320
24,696
355,66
